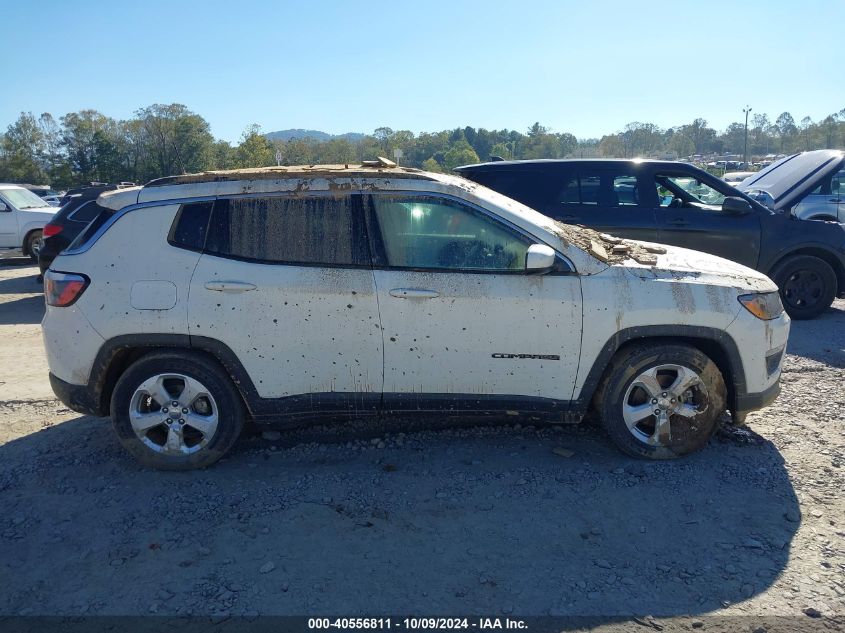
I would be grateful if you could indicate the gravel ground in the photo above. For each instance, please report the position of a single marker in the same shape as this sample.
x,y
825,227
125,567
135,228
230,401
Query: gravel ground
x,y
492,520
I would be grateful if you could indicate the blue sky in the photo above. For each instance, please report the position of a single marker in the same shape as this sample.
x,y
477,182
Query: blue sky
x,y
586,67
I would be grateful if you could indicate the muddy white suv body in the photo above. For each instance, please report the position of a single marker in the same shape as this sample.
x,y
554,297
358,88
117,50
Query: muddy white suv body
x,y
285,294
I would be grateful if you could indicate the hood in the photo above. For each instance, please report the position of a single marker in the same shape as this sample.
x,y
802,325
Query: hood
x,y
688,266
783,183
44,213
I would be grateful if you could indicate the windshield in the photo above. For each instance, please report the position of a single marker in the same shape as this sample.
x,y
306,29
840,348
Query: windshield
x,y
23,199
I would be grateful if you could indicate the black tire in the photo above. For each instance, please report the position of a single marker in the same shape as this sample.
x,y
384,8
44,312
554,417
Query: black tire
x,y
230,410
33,245
807,285
688,434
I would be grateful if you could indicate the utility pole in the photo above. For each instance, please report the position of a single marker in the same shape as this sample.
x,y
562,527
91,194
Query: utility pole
x,y
746,109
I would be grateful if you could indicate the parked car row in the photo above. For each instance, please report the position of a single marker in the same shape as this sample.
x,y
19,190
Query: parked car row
x,y
227,311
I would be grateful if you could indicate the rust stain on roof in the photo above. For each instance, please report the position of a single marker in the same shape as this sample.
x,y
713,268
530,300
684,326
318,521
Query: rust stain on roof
x,y
293,171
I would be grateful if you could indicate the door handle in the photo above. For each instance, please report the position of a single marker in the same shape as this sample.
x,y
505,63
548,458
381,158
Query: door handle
x,y
413,293
678,222
229,286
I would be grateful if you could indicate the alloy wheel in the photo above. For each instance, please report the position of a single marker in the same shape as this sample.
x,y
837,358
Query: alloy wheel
x,y
661,398
173,414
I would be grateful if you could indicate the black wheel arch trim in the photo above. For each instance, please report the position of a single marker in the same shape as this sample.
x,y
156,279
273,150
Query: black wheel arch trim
x,y
813,249
117,352
728,360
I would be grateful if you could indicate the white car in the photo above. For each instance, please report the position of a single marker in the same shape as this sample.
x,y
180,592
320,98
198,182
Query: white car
x,y
22,217
733,178
290,294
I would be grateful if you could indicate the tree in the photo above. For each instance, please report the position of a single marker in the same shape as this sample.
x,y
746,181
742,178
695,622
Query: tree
x,y
460,154
179,141
22,150
681,145
254,150
806,126
383,135
502,150
429,164
786,129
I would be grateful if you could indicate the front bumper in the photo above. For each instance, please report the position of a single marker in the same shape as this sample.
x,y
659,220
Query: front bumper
x,y
79,398
747,402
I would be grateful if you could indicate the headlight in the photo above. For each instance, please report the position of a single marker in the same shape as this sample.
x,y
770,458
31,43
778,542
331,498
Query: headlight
x,y
763,305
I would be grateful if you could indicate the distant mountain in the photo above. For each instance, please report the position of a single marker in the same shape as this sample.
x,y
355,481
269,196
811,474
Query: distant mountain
x,y
317,135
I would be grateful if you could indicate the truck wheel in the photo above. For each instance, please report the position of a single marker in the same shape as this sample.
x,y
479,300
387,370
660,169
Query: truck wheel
x,y
807,285
661,401
33,245
176,411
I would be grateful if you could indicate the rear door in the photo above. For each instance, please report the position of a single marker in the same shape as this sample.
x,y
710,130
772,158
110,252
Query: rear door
x,y
286,283
689,214
464,326
608,200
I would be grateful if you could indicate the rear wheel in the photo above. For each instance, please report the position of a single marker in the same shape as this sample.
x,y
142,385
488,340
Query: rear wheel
x,y
33,245
807,285
176,411
661,401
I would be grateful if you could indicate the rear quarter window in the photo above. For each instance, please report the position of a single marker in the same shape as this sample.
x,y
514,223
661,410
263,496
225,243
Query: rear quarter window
x,y
190,226
102,216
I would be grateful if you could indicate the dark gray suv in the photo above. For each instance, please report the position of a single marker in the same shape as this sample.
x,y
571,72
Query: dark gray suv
x,y
676,203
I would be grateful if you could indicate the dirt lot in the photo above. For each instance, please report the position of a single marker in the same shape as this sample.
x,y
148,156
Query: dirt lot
x,y
470,521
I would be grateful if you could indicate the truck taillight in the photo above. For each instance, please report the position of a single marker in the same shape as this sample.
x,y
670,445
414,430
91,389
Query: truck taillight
x,y
50,230
63,289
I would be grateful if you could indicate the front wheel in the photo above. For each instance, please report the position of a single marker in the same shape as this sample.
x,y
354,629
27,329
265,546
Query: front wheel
x,y
33,245
807,285
661,401
176,411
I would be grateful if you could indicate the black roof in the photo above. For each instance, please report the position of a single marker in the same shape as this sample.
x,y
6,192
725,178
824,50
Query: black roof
x,y
593,162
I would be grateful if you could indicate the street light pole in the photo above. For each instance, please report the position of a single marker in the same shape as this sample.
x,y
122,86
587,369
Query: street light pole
x,y
746,110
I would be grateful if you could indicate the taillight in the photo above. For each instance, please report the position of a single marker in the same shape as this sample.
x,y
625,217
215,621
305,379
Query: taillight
x,y
63,289
50,230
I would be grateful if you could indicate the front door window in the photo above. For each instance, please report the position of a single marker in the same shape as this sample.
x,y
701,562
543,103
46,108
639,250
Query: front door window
x,y
430,233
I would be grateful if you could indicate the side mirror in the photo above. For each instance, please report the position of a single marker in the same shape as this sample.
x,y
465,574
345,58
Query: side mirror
x,y
736,206
539,259
3,206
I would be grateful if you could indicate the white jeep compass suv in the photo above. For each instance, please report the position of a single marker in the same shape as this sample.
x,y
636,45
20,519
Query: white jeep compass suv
x,y
287,294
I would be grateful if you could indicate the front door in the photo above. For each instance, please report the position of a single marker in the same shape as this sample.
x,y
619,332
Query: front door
x,y
8,226
826,201
286,283
464,326
689,214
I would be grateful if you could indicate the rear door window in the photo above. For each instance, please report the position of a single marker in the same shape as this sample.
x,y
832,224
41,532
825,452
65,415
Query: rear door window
x,y
600,189
311,230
